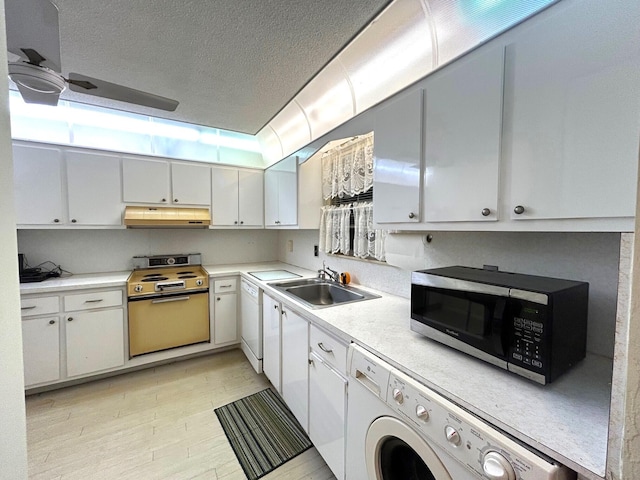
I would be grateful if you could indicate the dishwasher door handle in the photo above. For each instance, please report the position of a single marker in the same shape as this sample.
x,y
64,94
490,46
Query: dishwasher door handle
x,y
167,300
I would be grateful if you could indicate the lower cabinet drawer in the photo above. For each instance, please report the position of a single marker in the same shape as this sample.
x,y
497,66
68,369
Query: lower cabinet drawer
x,y
330,349
225,285
30,306
86,301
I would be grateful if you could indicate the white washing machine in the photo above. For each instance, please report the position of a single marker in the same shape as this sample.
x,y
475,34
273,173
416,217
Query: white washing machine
x,y
399,429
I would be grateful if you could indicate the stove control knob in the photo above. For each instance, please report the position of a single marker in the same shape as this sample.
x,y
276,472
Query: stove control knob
x,y
453,437
199,282
138,288
496,467
397,396
422,413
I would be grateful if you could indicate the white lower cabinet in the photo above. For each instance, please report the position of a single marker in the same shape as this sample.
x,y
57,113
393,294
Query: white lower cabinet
x,y
67,334
271,341
327,413
224,310
41,350
295,365
95,341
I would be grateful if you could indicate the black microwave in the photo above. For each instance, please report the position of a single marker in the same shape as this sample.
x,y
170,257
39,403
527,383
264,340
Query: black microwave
x,y
533,326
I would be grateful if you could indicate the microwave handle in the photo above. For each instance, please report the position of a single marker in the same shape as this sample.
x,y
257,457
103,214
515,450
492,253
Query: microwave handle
x,y
500,331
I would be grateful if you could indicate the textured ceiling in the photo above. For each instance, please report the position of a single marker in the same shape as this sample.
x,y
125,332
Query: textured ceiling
x,y
232,64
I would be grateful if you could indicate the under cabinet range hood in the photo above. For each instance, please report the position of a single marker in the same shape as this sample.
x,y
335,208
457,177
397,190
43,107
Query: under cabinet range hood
x,y
170,217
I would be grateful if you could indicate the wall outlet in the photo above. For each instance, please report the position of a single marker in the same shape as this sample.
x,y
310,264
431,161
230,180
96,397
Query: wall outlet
x,y
315,250
289,246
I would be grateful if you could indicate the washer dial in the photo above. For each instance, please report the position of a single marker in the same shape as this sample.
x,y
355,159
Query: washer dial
x,y
496,467
453,437
422,413
398,396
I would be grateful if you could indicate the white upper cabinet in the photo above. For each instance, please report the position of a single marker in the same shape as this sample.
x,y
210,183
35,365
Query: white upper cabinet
x,y
191,184
237,197
145,180
281,193
463,122
169,183
572,113
251,198
310,193
37,174
398,160
93,187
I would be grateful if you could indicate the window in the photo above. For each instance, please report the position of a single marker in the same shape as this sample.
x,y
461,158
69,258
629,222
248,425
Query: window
x,y
346,226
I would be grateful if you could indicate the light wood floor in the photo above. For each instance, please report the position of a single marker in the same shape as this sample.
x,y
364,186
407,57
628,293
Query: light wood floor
x,y
149,425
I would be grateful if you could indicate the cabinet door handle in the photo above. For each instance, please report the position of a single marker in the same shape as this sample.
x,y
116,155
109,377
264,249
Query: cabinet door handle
x,y
324,349
217,299
94,301
175,200
73,220
164,200
56,220
412,215
70,319
241,222
28,308
275,307
51,322
519,210
486,212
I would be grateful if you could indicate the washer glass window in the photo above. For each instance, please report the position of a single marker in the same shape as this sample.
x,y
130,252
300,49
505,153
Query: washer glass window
x,y
398,461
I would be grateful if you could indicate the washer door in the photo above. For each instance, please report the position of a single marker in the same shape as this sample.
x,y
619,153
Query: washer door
x,y
394,451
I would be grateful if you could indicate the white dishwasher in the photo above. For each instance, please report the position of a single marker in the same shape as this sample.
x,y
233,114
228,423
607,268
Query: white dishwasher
x,y
251,323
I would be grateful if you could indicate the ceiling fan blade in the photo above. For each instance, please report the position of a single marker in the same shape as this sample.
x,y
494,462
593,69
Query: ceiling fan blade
x,y
33,24
41,98
33,56
119,92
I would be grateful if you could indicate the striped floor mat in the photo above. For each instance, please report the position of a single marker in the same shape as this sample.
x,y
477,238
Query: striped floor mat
x,y
262,431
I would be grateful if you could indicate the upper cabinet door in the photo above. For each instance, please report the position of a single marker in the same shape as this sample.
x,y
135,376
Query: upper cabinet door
x,y
281,193
250,198
191,184
463,122
398,160
93,184
224,196
572,113
38,185
145,181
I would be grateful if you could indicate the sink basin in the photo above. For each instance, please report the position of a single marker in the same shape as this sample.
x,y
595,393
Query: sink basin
x,y
320,293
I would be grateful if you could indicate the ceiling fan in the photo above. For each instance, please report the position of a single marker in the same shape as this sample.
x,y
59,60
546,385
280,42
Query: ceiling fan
x,y
33,42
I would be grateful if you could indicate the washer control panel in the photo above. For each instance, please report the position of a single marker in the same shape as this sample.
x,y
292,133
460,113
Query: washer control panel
x,y
474,443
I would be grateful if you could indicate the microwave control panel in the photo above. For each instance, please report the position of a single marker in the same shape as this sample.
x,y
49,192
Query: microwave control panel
x,y
528,345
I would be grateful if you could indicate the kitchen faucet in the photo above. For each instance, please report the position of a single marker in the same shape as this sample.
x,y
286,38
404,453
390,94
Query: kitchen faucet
x,y
333,275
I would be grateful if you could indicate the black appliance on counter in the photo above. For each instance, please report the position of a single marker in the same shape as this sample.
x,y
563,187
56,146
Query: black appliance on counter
x,y
533,326
30,275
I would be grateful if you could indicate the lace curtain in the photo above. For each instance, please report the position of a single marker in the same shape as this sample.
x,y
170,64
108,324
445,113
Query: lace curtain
x,y
368,241
347,170
335,231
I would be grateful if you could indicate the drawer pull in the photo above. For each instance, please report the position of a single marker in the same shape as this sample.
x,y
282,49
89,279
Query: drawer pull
x,y
52,322
324,349
226,286
94,301
28,308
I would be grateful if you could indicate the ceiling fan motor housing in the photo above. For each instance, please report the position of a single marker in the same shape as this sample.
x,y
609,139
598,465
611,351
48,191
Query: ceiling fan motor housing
x,y
37,78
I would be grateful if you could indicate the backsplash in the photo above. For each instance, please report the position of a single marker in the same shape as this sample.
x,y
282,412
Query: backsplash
x,y
589,257
91,251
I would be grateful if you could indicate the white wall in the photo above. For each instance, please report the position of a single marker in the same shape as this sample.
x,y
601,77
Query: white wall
x,y
589,257
90,251
13,432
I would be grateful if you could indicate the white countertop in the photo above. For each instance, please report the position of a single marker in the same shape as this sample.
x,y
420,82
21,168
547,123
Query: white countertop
x,y
567,420
77,282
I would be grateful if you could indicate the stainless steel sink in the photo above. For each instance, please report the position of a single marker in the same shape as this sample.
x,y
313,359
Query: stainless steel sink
x,y
321,293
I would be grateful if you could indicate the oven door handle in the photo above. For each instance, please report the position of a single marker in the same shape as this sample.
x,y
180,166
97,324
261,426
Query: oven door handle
x,y
172,299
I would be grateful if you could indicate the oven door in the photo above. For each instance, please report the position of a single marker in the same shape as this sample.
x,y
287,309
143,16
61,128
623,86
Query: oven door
x,y
463,319
167,321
